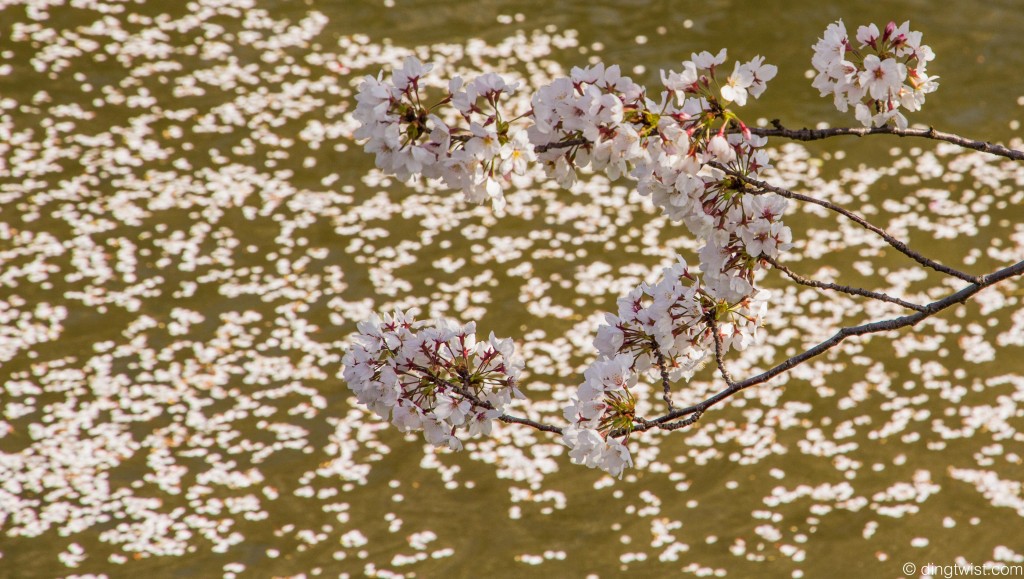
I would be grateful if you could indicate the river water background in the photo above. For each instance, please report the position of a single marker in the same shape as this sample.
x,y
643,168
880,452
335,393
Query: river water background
x,y
188,236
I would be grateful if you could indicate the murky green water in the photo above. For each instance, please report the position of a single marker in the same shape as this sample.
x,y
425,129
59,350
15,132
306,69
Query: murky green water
x,y
188,235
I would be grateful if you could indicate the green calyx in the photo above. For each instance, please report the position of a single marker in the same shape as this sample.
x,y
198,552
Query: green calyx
x,y
620,413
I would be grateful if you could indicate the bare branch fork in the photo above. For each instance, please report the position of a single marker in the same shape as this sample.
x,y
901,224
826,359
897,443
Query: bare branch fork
x,y
759,186
718,350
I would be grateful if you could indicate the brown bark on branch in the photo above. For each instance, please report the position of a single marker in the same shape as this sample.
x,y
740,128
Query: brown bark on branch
x,y
567,144
856,291
929,133
507,418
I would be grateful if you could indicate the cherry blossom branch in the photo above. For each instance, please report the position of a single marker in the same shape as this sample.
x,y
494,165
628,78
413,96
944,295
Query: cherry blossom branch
x,y
842,288
806,134
663,147
870,328
929,133
765,187
682,417
507,418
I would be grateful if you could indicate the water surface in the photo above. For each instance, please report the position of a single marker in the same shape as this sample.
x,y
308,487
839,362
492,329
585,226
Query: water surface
x,y
188,235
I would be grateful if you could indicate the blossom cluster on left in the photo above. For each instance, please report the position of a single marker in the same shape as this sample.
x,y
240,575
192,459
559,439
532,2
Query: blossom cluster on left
x,y
473,149
432,376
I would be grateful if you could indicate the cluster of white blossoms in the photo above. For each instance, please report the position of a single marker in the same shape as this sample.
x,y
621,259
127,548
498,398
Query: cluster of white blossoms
x,y
432,376
669,327
598,118
675,149
601,404
886,72
684,150
688,151
476,154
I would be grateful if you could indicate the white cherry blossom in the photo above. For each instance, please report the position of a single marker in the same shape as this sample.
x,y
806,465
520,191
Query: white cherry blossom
x,y
432,376
737,84
885,73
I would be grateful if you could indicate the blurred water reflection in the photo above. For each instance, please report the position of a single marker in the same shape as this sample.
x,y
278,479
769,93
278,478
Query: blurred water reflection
x,y
188,235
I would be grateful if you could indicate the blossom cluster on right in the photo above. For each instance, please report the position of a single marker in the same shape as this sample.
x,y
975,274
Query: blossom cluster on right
x,y
885,73
670,327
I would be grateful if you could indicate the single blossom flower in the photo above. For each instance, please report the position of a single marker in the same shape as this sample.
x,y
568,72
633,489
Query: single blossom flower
x,y
736,85
882,78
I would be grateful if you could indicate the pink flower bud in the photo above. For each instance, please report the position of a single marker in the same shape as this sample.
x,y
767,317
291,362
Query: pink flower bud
x,y
889,29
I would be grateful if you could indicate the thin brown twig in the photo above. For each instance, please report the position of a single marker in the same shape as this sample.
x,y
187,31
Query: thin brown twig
x,y
767,187
718,349
806,134
759,186
929,133
527,422
666,385
842,288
